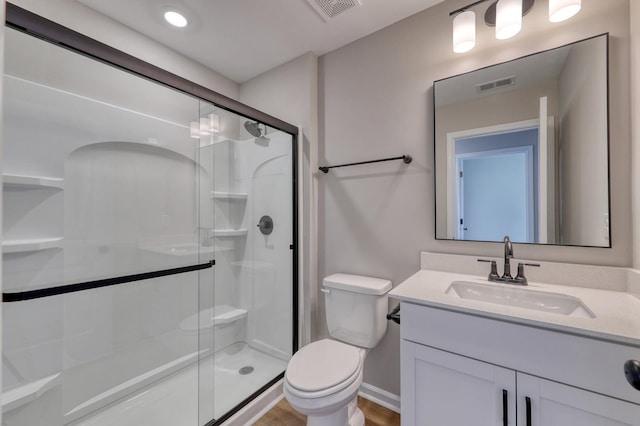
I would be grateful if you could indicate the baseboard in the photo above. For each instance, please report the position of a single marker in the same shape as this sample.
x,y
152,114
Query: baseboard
x,y
270,398
258,407
380,397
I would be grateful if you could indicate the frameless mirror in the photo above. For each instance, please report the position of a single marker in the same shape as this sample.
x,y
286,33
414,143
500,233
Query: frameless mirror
x,y
521,149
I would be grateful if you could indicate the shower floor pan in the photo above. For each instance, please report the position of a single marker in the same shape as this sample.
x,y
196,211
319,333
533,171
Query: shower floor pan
x,y
174,400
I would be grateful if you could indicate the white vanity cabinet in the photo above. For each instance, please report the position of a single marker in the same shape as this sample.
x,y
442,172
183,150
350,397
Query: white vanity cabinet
x,y
441,388
460,369
554,404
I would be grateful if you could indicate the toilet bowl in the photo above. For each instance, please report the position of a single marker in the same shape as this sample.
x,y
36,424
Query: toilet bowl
x,y
322,379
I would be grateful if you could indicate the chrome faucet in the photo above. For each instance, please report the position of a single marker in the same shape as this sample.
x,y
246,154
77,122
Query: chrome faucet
x,y
506,277
508,254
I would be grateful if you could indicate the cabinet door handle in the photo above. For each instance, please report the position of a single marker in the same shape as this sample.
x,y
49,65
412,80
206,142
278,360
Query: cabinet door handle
x,y
505,411
528,410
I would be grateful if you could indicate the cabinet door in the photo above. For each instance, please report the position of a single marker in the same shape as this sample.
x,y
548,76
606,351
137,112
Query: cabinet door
x,y
440,388
555,404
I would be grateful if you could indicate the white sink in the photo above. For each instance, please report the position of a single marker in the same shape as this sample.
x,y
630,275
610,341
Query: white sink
x,y
521,297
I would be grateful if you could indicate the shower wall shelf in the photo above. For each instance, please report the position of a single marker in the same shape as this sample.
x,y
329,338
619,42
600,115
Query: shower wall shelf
x,y
219,315
33,182
32,244
229,232
217,195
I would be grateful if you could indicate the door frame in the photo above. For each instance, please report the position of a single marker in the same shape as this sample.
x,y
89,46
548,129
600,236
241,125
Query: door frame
x,y
452,137
527,150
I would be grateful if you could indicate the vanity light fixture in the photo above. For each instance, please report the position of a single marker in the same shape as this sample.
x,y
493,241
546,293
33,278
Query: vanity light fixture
x,y
506,16
464,31
176,19
561,10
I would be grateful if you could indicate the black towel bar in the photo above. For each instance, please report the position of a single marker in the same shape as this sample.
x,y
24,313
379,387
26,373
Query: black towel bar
x,y
406,158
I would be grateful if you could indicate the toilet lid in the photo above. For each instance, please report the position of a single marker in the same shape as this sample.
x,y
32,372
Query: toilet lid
x,y
321,365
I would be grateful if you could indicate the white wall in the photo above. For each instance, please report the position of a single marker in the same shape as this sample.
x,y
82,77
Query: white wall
x,y
376,101
290,92
85,20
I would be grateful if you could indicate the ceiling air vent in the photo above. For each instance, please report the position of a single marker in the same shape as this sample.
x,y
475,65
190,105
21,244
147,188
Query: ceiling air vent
x,y
496,84
329,9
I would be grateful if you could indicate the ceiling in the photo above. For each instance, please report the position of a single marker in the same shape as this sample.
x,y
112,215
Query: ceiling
x,y
241,39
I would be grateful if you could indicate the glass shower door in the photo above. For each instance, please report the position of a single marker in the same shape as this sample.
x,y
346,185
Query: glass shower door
x,y
148,247
101,248
251,297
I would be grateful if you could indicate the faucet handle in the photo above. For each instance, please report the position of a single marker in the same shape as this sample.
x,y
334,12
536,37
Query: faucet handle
x,y
493,274
520,276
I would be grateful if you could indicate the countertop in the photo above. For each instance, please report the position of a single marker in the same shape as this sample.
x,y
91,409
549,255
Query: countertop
x,y
617,313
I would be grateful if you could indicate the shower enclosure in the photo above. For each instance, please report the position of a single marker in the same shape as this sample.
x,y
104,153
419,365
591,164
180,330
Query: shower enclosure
x,y
149,244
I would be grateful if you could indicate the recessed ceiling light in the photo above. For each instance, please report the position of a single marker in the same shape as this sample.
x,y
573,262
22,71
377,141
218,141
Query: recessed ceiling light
x,y
176,19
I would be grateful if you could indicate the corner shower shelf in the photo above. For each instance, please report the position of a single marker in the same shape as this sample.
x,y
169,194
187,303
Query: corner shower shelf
x,y
228,195
32,182
33,244
221,316
229,232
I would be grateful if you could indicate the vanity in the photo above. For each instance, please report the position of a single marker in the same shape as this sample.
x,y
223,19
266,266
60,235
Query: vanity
x,y
475,352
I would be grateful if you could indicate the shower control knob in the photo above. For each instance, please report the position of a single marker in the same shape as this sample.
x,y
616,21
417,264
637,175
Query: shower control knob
x,y
266,225
632,373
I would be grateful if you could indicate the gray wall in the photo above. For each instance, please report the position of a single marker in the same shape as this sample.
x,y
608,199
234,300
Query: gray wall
x,y
375,101
583,163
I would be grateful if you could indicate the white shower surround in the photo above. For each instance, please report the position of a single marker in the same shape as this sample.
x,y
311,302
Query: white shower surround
x,y
109,342
265,274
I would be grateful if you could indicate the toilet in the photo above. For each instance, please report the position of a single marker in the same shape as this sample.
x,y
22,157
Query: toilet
x,y
323,378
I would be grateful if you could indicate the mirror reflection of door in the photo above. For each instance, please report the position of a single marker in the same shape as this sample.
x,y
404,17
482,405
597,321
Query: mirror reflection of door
x,y
497,186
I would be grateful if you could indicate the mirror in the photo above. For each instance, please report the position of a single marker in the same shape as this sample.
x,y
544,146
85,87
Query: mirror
x,y
521,149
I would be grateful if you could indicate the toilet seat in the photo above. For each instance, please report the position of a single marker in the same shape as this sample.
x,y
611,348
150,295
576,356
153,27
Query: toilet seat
x,y
323,368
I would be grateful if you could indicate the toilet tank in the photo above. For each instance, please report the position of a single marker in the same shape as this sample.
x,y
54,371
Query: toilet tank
x,y
356,308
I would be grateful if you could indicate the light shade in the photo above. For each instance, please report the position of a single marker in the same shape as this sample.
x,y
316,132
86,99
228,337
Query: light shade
x,y
508,18
464,32
560,10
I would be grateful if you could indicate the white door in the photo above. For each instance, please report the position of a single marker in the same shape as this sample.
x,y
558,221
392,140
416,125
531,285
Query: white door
x,y
496,192
545,403
440,388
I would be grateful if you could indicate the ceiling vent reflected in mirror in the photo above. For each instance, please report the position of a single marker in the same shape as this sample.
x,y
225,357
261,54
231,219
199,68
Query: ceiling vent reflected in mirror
x,y
496,84
329,9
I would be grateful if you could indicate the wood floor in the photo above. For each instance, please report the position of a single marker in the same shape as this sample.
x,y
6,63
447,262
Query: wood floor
x,y
283,415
